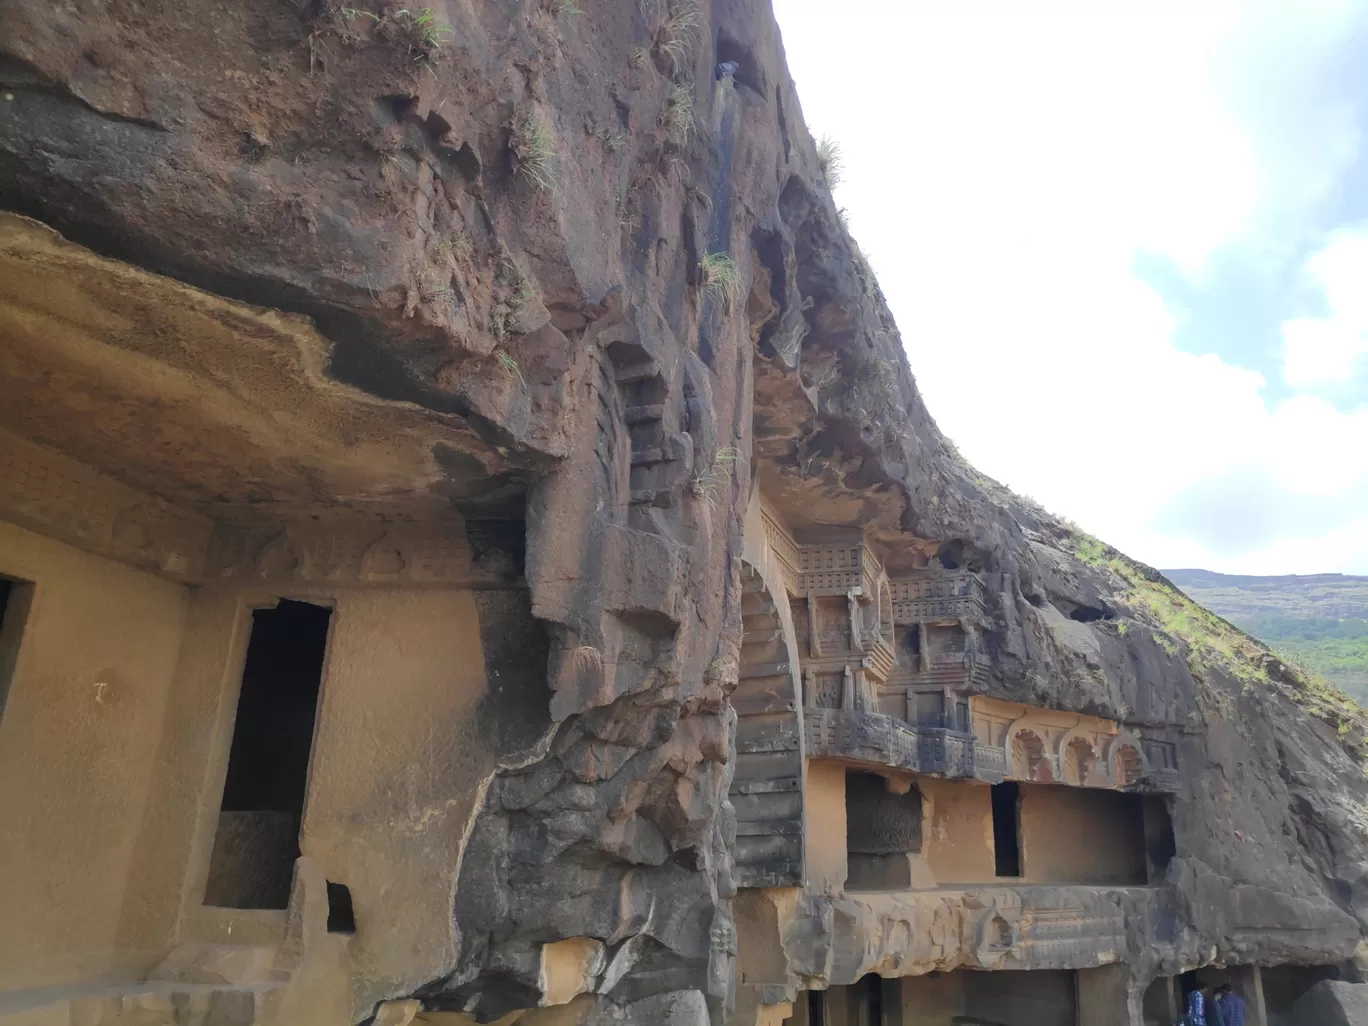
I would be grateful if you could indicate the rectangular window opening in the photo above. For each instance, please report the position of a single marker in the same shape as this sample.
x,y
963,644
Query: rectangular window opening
x,y
816,1008
341,916
1007,828
873,984
1159,842
883,828
268,766
15,596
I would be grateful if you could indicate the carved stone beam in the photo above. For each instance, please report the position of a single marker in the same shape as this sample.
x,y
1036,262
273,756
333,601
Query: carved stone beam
x,y
814,627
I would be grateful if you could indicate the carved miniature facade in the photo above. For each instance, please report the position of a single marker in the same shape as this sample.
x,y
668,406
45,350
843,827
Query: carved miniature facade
x,y
929,825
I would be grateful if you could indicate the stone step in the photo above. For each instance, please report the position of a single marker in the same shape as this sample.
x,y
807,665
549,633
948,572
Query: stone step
x,y
772,786
644,414
638,372
766,744
763,636
760,629
763,702
661,497
764,670
648,457
753,604
772,870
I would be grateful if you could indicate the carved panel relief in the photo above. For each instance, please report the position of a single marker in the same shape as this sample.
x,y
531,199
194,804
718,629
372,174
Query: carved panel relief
x,y
47,492
344,553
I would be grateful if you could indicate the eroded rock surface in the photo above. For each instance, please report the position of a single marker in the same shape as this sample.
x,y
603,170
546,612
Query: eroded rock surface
x,y
510,217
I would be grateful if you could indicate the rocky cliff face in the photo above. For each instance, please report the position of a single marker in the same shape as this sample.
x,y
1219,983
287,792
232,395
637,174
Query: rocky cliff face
x,y
600,242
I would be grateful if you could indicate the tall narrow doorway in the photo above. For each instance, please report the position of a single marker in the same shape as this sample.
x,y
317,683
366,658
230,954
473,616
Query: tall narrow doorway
x,y
268,767
1006,799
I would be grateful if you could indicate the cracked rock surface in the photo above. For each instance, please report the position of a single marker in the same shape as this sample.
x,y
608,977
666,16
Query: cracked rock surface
x,y
512,225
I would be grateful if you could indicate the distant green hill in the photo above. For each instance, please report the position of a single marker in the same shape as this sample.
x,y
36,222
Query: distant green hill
x,y
1320,620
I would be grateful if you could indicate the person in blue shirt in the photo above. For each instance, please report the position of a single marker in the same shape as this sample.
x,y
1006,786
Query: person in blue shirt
x,y
1232,1007
1196,1008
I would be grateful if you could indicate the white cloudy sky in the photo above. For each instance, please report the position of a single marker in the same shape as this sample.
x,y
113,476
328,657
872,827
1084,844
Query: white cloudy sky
x,y
1127,248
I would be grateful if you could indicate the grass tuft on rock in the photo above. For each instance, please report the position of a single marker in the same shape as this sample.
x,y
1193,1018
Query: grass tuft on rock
x,y
535,144
830,162
509,365
424,34
708,480
721,278
678,117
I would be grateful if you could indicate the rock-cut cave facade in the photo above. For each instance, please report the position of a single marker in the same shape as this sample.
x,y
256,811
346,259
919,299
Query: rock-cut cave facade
x,y
472,550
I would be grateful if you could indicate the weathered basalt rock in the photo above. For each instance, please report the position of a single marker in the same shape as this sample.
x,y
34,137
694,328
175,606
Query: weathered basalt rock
x,y
1334,1003
509,223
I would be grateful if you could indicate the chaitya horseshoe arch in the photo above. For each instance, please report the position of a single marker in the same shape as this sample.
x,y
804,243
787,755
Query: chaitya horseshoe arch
x,y
1126,759
767,787
1027,755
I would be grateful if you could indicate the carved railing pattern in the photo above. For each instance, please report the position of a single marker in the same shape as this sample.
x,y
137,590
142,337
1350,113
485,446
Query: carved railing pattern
x,y
1057,937
966,672
830,569
883,740
838,570
784,549
1162,780
936,595
1028,927
990,763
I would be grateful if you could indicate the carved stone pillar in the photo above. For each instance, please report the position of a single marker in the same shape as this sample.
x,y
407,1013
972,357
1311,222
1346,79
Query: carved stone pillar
x,y
848,690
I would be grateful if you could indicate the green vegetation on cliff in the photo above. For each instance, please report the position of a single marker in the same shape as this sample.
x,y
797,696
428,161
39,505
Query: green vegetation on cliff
x,y
1210,643
1317,620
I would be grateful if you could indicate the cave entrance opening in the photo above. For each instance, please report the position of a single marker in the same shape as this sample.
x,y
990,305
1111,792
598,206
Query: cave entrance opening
x,y
1092,835
1160,846
883,832
1006,798
257,840
14,602
816,1008
872,985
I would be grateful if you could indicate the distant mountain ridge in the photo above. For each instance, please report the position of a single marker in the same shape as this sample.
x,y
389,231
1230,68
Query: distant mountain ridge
x,y
1212,577
1321,620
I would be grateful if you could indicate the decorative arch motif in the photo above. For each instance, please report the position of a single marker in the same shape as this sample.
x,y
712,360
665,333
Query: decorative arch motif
x,y
282,557
1078,761
384,560
767,786
1126,758
1028,757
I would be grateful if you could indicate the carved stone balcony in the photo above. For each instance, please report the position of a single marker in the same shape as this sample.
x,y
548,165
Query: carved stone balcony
x,y
1157,781
838,569
990,763
878,653
932,595
880,739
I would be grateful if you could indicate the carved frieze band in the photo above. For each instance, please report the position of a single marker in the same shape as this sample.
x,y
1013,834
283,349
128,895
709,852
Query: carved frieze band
x,y
352,554
47,492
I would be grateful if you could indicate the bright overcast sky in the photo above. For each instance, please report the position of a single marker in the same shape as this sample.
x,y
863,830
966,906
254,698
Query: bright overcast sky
x,y
1127,248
